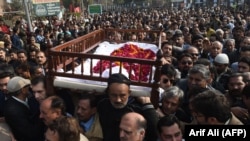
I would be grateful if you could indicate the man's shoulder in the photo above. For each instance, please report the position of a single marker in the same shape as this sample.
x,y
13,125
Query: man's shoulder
x,y
103,102
11,103
83,138
11,100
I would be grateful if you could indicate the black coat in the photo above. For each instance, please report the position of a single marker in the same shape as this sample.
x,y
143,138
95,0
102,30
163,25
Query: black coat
x,y
19,118
110,119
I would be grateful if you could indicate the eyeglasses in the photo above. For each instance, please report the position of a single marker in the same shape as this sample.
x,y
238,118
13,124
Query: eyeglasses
x,y
194,54
167,80
186,62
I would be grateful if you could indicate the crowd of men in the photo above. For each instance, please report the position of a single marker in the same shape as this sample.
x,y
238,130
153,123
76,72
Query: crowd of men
x,y
205,77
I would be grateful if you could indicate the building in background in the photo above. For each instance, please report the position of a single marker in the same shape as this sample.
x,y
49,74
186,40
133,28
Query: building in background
x,y
2,7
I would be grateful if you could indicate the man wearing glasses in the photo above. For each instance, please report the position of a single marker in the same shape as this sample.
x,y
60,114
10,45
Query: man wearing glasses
x,y
185,63
194,52
167,78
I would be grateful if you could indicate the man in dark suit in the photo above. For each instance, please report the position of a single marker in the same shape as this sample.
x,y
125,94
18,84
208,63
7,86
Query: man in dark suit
x,y
119,103
17,112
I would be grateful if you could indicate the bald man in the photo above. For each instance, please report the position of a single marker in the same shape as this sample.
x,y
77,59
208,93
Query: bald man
x,y
215,49
194,52
132,127
52,108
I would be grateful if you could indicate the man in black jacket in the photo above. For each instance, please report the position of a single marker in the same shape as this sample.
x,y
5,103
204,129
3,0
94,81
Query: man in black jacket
x,y
111,110
17,112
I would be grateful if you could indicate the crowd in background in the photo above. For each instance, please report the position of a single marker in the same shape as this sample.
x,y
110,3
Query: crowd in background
x,y
205,77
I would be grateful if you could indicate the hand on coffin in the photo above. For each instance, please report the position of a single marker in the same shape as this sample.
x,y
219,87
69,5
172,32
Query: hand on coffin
x,y
165,61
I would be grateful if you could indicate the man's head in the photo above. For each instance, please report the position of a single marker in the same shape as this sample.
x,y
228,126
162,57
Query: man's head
x,y
141,36
229,45
245,42
172,99
18,85
238,33
185,62
41,58
132,127
236,84
244,51
178,38
168,76
22,56
219,34
244,64
23,70
51,108
167,48
215,49
169,35
13,54
38,87
197,41
2,54
6,73
199,76
210,107
169,128
194,52
32,55
118,90
63,129
86,107
221,62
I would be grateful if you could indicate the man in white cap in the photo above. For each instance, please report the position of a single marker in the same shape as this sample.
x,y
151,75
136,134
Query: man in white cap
x,y
17,111
221,62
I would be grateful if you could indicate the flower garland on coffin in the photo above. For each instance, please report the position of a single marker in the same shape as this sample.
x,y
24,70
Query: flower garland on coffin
x,y
131,51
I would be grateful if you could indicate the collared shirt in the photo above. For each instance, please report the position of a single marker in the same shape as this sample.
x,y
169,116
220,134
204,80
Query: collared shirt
x,y
227,122
21,101
87,125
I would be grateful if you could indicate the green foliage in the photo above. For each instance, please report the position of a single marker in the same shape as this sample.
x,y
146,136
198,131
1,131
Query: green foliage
x,y
118,1
16,5
128,1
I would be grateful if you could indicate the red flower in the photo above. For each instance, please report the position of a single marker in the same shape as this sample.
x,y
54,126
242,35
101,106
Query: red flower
x,y
131,51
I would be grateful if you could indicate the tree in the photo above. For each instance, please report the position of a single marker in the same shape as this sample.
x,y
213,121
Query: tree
x,y
86,3
16,5
118,1
128,1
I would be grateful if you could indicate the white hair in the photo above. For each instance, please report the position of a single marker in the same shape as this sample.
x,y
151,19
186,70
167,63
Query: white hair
x,y
219,31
